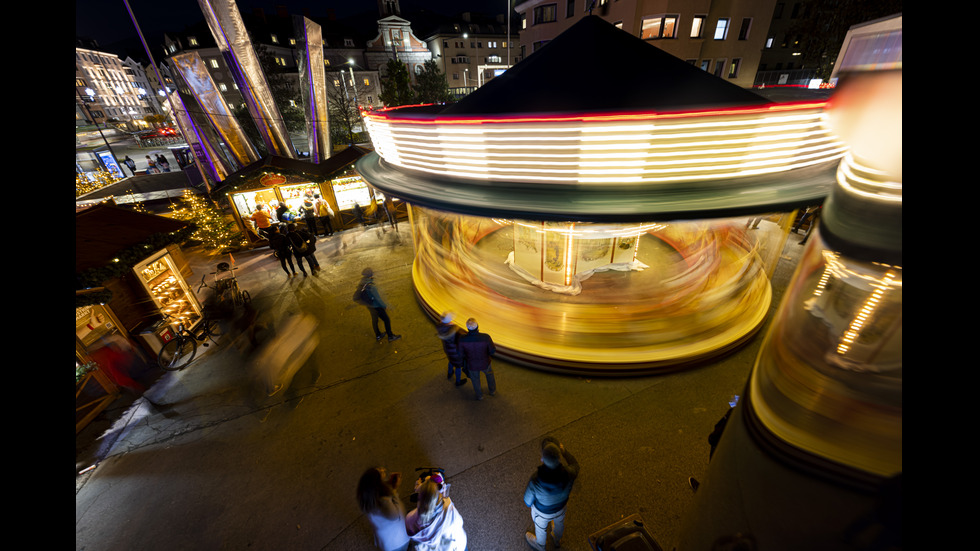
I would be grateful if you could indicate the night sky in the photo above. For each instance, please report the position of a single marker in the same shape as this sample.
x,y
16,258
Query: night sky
x,y
109,22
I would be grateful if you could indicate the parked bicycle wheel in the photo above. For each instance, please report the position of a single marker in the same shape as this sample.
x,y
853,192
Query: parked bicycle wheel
x,y
246,297
176,354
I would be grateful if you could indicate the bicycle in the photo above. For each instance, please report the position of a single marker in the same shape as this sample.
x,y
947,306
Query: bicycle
x,y
179,352
223,289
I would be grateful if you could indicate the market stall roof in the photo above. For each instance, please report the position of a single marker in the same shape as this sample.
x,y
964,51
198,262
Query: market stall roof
x,y
103,230
248,177
595,66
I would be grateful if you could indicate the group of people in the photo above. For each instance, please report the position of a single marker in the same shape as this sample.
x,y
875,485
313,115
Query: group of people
x,y
154,165
288,242
436,525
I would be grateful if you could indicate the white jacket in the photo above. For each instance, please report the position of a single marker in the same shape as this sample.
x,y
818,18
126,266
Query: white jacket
x,y
445,533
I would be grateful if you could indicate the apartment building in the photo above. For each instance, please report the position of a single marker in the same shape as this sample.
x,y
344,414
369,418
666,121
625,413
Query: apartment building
x,y
723,37
107,91
472,49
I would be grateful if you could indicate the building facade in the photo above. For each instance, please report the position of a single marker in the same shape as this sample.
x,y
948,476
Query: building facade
x,y
473,49
724,37
107,91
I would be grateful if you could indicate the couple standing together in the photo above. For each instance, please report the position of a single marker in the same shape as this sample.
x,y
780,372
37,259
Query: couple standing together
x,y
470,350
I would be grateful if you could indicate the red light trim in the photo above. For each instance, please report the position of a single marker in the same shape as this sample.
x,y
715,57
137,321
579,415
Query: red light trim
x,y
390,115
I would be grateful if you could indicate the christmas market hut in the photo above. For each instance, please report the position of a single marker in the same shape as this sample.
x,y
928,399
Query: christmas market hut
x,y
130,285
277,181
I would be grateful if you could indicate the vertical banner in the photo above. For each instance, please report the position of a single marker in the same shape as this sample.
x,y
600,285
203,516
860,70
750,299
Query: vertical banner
x,y
312,81
191,69
232,38
201,138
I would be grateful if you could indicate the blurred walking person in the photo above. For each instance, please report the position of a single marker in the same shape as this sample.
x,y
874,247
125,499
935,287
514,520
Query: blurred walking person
x,y
378,499
367,295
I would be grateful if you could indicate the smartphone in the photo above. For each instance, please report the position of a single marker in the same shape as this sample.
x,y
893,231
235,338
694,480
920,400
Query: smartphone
x,y
733,400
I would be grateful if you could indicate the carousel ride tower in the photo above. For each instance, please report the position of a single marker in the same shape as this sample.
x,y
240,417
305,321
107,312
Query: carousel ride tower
x,y
603,207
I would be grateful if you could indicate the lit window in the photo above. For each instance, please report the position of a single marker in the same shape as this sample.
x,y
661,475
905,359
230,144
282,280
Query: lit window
x,y
523,21
660,26
214,63
275,39
192,40
721,29
697,26
733,68
769,42
367,82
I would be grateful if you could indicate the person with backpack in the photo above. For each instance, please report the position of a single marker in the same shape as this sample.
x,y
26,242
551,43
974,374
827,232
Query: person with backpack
x,y
368,296
304,247
282,250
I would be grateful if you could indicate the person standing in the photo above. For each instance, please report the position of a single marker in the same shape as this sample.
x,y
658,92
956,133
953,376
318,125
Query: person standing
x,y
263,221
304,246
547,493
163,163
309,213
378,499
323,212
131,164
281,210
151,166
476,349
279,244
371,299
448,333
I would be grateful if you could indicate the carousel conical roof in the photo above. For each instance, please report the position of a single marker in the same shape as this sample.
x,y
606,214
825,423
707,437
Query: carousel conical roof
x,y
594,66
599,125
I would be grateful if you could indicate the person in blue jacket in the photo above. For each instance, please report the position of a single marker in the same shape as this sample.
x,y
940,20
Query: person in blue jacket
x,y
547,493
371,298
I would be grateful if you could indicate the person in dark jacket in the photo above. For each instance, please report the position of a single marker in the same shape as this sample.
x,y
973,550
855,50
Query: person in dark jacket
x,y
309,214
547,493
375,305
449,335
304,247
279,244
476,349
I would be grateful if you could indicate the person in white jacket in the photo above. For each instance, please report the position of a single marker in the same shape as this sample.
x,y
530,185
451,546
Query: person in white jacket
x,y
435,525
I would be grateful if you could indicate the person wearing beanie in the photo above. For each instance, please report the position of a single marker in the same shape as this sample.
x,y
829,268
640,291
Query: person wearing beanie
x,y
449,334
547,493
476,349
370,297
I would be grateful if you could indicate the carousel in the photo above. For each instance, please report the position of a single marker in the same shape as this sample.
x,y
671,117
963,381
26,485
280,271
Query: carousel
x,y
598,230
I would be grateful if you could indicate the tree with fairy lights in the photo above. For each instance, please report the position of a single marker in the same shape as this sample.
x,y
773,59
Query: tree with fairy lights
x,y
215,231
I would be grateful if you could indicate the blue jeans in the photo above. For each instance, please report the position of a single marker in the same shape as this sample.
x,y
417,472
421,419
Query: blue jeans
x,y
491,382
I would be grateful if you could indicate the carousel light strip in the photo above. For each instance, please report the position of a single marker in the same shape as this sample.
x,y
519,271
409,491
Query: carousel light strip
x,y
597,153
867,182
863,316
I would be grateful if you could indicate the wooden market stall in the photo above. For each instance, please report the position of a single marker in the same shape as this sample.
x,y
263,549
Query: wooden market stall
x,y
121,259
278,180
